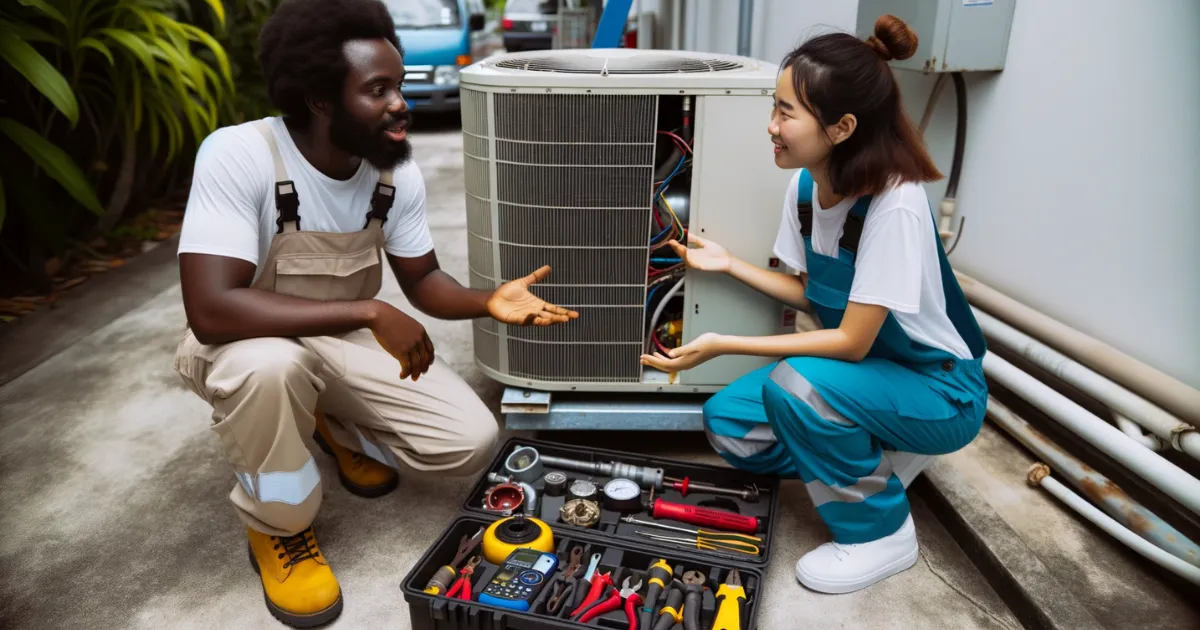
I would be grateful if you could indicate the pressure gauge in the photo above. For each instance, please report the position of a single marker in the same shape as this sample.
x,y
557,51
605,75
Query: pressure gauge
x,y
622,495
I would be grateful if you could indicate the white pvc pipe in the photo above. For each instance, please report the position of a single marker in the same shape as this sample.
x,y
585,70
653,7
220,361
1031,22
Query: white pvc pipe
x,y
1167,477
1183,569
1162,424
1162,389
1131,428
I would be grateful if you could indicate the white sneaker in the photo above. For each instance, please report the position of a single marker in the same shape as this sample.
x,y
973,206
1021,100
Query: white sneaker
x,y
837,568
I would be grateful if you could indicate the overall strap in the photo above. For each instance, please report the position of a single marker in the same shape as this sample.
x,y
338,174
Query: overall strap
x,y
853,227
381,199
287,202
804,206
851,230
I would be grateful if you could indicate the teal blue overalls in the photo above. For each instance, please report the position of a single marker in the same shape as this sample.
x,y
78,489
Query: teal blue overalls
x,y
827,421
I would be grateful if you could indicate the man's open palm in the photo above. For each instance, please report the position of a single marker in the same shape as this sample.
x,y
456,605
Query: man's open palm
x,y
514,303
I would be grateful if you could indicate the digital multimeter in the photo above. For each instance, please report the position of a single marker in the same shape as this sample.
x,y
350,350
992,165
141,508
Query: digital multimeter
x,y
519,579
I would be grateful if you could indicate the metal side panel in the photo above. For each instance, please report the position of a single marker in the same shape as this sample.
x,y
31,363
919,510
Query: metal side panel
x,y
737,201
481,230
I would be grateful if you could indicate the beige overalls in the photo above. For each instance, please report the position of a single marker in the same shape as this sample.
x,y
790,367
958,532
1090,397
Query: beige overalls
x,y
264,391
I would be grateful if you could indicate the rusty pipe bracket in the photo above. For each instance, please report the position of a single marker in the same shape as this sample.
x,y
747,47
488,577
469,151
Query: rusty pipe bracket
x,y
1177,434
1037,473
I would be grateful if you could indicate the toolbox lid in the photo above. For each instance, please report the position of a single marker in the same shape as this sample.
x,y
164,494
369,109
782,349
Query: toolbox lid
x,y
686,496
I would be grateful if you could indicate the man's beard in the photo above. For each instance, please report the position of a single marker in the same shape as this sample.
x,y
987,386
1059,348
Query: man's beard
x,y
369,143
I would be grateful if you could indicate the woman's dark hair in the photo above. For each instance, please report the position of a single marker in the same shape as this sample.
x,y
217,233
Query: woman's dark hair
x,y
838,74
300,49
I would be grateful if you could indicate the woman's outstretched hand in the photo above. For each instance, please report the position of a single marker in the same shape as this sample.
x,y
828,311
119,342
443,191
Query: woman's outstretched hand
x,y
706,256
703,348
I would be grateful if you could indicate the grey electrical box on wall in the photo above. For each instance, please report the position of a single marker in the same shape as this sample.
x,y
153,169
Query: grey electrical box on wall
x,y
955,35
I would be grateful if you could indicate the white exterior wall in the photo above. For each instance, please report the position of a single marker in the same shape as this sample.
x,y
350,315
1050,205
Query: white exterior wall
x,y
1084,153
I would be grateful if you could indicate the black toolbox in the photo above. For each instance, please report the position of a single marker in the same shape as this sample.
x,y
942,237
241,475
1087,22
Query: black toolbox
x,y
623,552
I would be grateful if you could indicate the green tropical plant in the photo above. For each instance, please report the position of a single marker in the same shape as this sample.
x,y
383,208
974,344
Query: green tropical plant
x,y
97,83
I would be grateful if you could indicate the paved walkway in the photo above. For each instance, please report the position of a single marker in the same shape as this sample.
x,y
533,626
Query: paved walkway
x,y
115,511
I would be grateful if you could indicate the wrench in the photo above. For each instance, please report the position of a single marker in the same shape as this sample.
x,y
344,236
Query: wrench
x,y
591,570
581,590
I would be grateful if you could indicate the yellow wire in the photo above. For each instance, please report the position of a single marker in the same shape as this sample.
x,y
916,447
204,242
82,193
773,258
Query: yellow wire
x,y
667,205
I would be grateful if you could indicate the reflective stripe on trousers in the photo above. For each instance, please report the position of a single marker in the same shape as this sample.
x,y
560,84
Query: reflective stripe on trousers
x,y
782,420
291,488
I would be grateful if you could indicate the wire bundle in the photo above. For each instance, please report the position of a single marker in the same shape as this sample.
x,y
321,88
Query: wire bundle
x,y
664,270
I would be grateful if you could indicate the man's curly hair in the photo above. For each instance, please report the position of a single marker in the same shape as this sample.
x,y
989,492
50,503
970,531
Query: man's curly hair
x,y
300,49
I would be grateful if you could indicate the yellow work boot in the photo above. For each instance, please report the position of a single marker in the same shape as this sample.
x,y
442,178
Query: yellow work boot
x,y
360,474
297,582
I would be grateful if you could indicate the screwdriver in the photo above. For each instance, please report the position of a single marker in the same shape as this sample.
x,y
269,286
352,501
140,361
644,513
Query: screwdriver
x,y
705,533
731,603
657,577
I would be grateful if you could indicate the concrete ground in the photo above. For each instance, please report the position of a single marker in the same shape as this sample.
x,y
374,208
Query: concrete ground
x,y
114,492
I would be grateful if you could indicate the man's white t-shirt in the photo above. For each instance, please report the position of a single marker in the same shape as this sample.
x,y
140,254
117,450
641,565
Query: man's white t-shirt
x,y
897,264
231,207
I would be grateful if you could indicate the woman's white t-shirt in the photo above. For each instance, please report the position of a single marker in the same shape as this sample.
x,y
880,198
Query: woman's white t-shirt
x,y
897,264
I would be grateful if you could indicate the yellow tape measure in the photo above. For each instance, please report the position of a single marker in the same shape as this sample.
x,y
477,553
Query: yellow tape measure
x,y
517,532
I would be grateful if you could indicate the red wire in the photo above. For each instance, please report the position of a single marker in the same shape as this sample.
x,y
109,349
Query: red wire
x,y
661,347
678,141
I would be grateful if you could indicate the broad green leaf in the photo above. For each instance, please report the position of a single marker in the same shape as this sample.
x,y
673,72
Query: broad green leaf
x,y
99,46
170,122
57,164
218,10
45,8
40,73
137,46
217,50
3,206
29,32
148,18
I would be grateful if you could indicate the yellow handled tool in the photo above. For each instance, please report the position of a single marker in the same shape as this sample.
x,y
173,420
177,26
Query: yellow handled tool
x,y
708,544
731,603
440,582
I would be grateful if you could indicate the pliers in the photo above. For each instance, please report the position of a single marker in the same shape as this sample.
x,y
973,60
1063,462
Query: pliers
x,y
565,584
599,584
628,594
462,586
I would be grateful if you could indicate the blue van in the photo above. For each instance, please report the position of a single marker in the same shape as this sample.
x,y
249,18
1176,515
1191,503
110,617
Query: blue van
x,y
439,37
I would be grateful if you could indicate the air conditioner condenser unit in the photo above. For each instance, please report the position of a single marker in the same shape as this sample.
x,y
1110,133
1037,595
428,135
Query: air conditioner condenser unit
x,y
590,160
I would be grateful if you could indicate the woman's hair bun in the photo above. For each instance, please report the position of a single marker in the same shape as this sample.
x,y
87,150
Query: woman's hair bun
x,y
893,39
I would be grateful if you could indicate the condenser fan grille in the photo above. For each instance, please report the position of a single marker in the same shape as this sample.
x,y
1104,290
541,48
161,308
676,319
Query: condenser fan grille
x,y
639,64
566,183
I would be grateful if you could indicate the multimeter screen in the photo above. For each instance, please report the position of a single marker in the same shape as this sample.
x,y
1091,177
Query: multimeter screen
x,y
524,556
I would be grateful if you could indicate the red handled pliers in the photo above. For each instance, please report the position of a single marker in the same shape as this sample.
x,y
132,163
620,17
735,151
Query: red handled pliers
x,y
628,594
598,585
462,586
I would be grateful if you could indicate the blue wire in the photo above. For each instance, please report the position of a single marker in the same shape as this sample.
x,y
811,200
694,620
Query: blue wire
x,y
660,234
666,261
651,294
664,187
671,176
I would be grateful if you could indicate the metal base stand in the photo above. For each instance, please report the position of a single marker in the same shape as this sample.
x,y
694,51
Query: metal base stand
x,y
534,410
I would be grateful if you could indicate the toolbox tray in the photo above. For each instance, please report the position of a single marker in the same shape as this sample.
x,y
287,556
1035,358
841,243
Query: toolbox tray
x,y
615,540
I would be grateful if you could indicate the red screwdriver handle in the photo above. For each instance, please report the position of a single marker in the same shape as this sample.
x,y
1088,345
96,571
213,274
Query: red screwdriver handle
x,y
705,517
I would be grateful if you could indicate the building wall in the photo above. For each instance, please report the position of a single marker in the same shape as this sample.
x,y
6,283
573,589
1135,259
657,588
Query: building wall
x,y
1082,169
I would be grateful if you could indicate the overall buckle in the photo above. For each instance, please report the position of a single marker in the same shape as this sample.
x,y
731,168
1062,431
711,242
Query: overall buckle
x,y
287,202
381,203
